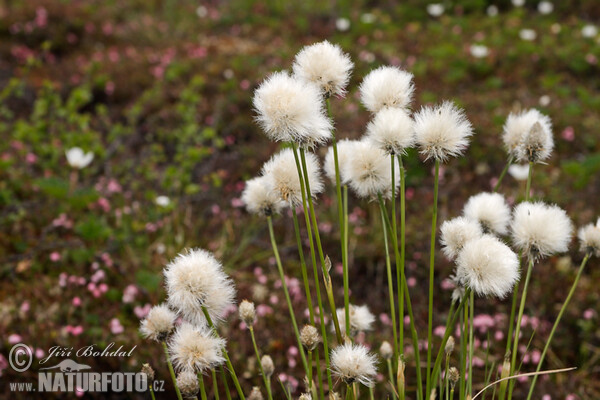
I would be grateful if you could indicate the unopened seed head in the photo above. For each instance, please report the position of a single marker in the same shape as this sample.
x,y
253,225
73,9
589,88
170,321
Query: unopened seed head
x,y
159,323
453,375
267,365
456,233
325,65
449,348
309,336
386,350
247,312
187,382
536,145
305,396
255,394
353,363
589,236
387,87
148,371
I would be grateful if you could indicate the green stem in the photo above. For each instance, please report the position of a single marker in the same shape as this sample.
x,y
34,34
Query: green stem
x,y
391,376
431,272
463,350
226,355
309,376
446,374
286,292
504,171
557,321
471,344
203,395
400,276
349,392
215,383
225,382
345,262
171,371
151,392
450,323
262,372
518,325
529,179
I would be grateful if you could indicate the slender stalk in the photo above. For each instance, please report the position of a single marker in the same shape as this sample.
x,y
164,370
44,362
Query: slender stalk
x,y
463,351
171,371
529,179
504,171
151,392
315,272
215,383
226,355
446,374
391,376
345,261
557,321
371,394
515,348
286,293
451,322
203,395
349,392
224,379
400,276
262,372
413,329
310,373
388,265
431,272
471,344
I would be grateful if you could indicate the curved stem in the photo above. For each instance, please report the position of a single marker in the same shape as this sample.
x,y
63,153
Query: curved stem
x,y
504,171
202,388
558,318
262,372
400,276
215,383
471,344
529,179
171,371
225,382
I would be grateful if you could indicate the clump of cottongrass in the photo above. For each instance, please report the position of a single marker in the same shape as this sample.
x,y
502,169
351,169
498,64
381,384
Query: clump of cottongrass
x,y
442,131
456,233
386,350
345,153
260,198
353,363
589,236
159,323
487,266
289,110
518,125
490,210
195,279
187,382
325,65
196,348
281,171
536,146
309,337
387,87
392,131
247,312
268,366
361,319
541,230
368,172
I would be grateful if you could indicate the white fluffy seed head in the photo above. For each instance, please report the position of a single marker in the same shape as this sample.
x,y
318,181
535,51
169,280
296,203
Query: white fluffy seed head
x,y
387,87
442,131
541,230
195,279
196,348
490,210
487,266
392,131
187,382
368,172
159,323
361,319
282,174
247,312
517,125
386,350
589,236
291,110
345,154
325,65
536,146
260,198
456,233
353,363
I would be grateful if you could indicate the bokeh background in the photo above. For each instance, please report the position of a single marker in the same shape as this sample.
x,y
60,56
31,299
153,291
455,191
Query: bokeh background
x,y
160,92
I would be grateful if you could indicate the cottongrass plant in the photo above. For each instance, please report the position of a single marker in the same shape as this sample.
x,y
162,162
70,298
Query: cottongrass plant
x,y
486,244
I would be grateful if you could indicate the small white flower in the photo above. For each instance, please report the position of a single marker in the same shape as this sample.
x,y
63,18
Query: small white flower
x,y
442,131
527,34
488,267
545,100
392,131
492,11
369,172
479,50
291,110
518,125
325,65
342,24
345,149
353,363
260,198
386,87
162,201
536,146
282,174
589,236
361,319
435,9
201,11
195,279
519,172
589,31
541,230
518,3
456,233
159,323
545,7
490,210
196,348
78,159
